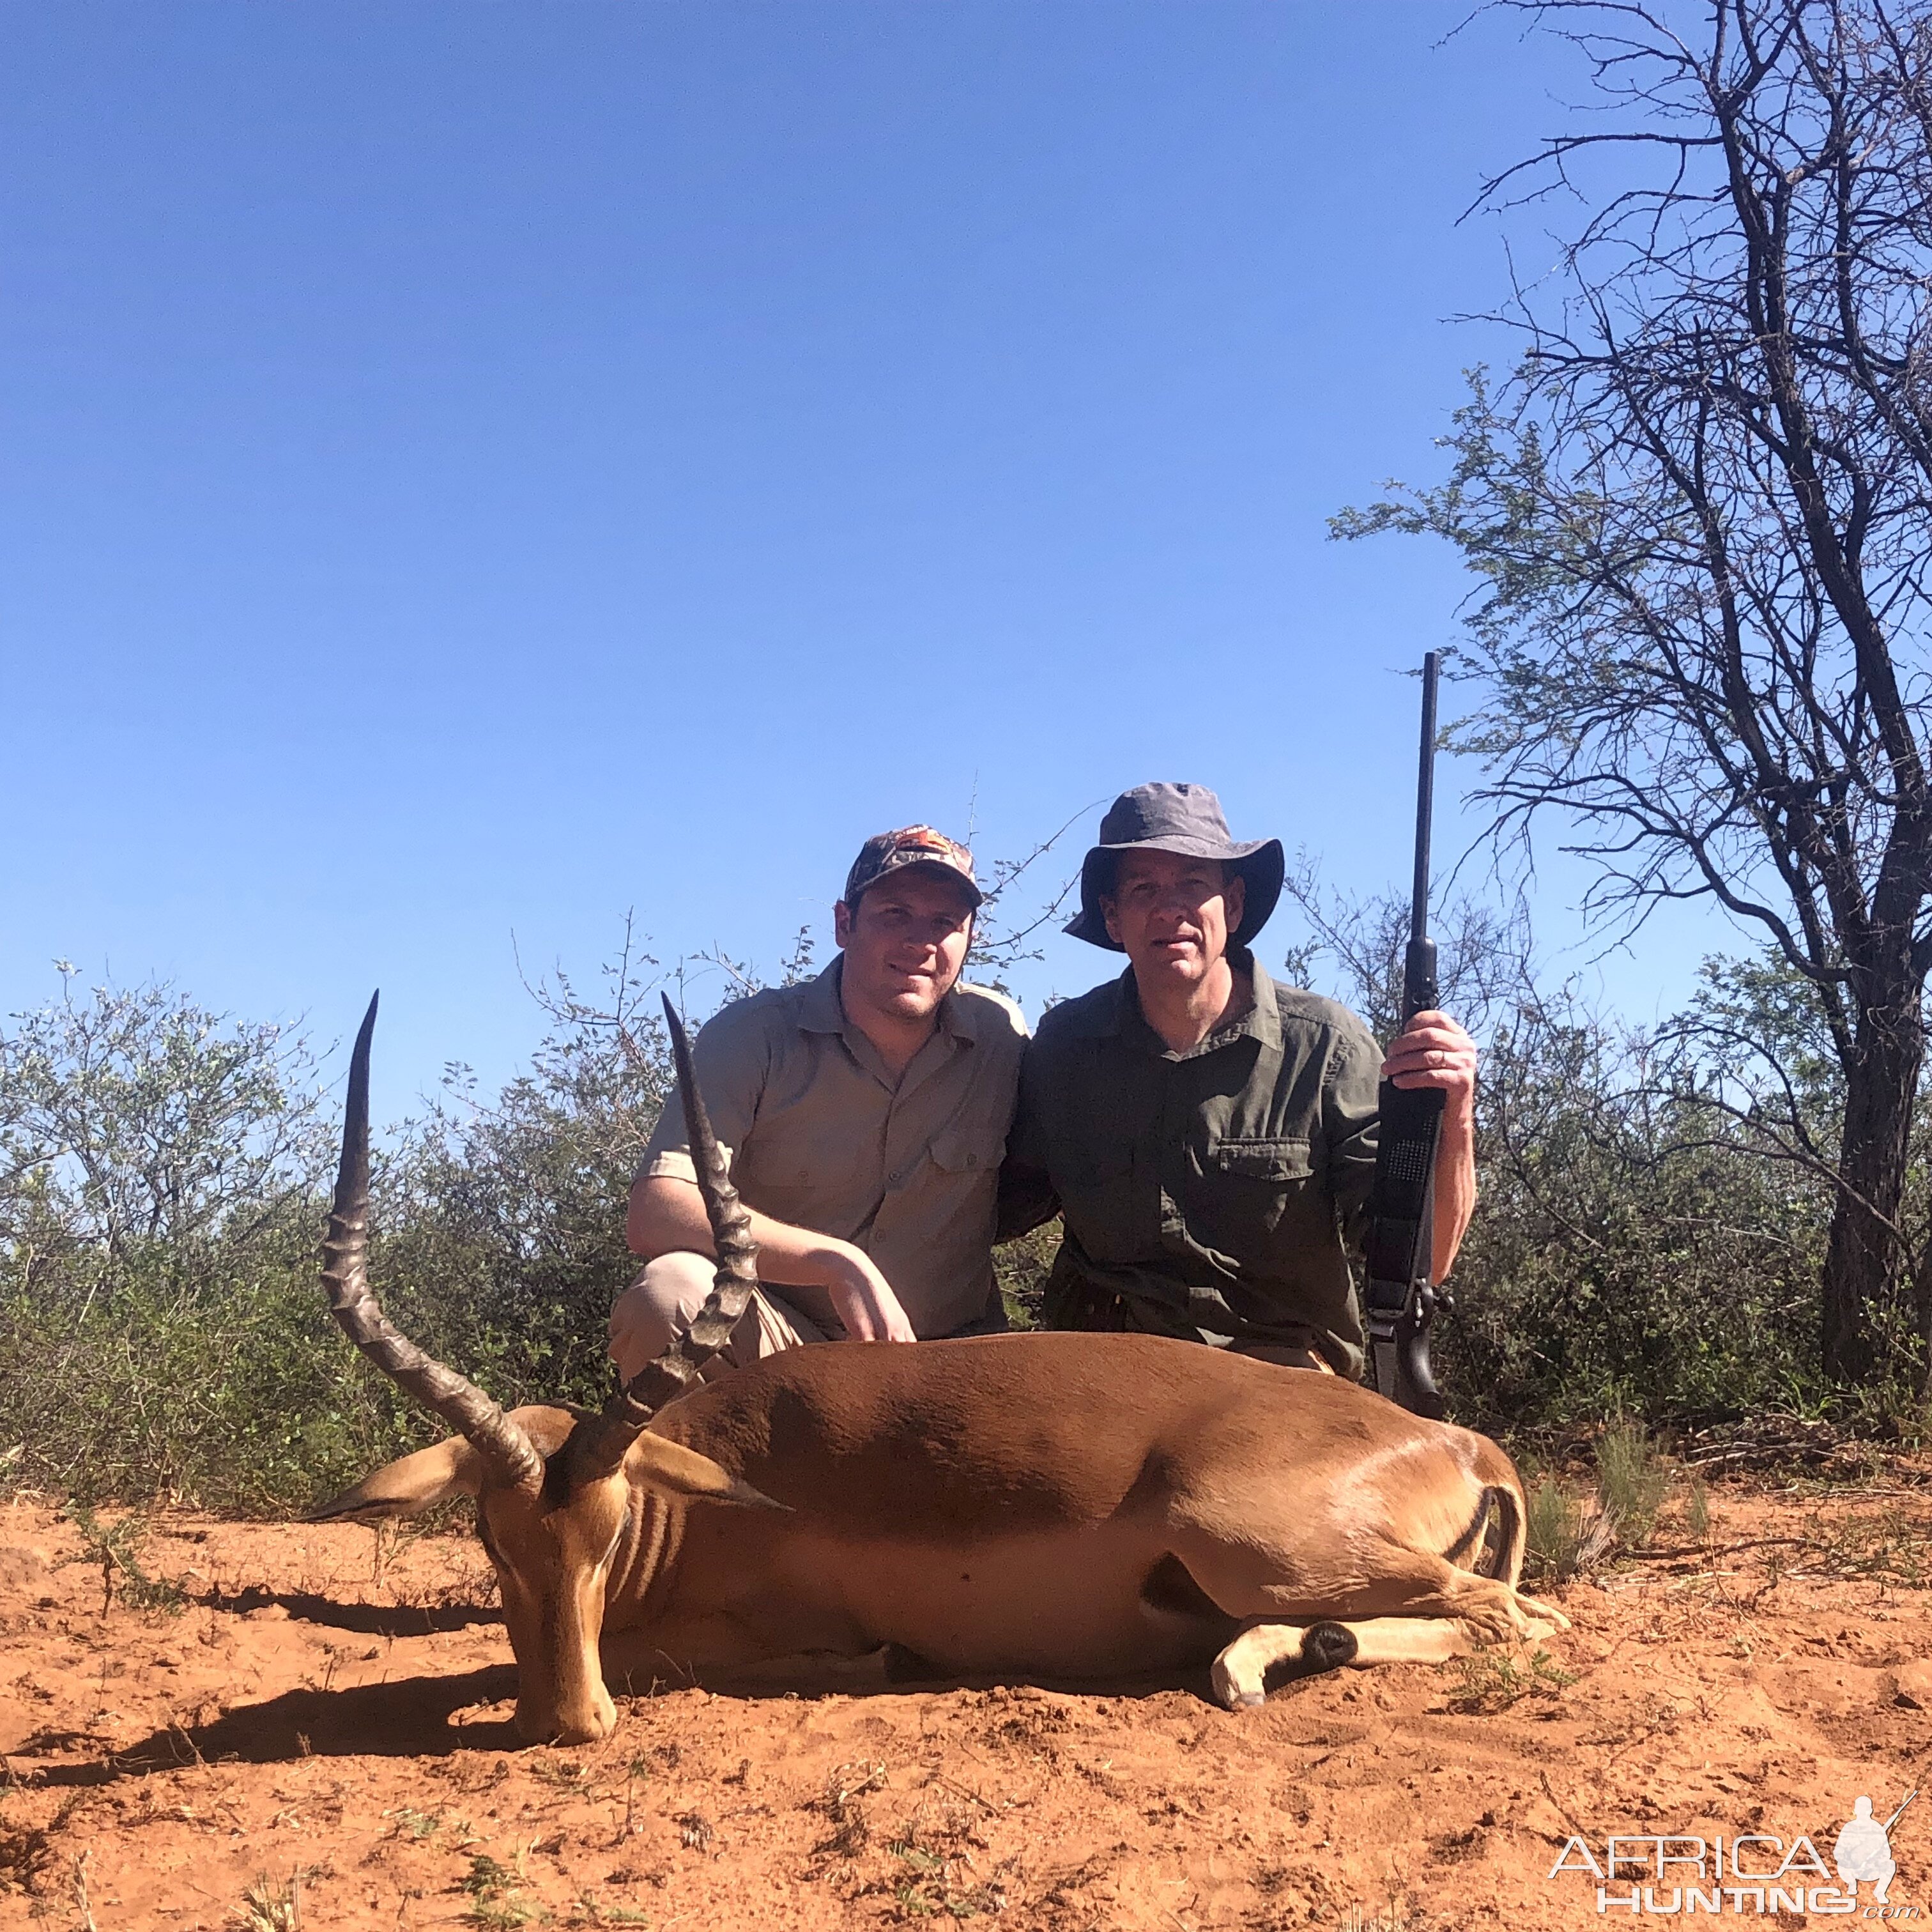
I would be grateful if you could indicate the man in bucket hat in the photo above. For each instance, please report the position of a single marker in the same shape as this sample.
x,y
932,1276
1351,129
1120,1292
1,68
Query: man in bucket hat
x,y
864,1113
1209,1136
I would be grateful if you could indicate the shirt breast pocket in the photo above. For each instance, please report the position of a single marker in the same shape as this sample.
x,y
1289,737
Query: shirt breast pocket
x,y
1280,1160
965,1151
1259,1189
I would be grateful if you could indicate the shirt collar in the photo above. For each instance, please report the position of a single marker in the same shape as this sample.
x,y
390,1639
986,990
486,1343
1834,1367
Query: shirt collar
x,y
954,1013
822,1010
1262,1020
1119,1012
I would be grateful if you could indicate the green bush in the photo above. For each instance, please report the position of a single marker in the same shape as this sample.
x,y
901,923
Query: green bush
x,y
233,1389
1021,1267
1646,1243
163,1180
1629,1256
1640,1250
1631,1479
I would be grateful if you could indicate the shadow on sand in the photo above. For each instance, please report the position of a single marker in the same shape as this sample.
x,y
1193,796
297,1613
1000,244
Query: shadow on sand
x,y
363,1619
408,1716
416,1717
900,1674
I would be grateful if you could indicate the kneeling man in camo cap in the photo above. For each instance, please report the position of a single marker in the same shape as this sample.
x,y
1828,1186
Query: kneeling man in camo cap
x,y
864,1113
1209,1136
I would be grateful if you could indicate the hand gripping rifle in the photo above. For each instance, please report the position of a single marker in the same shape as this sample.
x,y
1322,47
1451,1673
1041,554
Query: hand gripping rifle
x,y
1402,1300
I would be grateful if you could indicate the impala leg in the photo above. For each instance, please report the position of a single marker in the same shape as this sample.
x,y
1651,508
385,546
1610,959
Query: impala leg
x,y
1542,1613
1498,1612
1240,1669
1303,1579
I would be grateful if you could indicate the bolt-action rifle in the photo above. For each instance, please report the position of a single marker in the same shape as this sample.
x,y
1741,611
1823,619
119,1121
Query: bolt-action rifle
x,y
1402,1301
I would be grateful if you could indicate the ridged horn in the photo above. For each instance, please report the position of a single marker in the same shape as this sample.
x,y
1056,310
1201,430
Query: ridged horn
x,y
345,1280
628,1412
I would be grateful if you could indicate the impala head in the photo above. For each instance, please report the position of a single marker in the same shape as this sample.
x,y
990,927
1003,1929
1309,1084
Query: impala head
x,y
555,1488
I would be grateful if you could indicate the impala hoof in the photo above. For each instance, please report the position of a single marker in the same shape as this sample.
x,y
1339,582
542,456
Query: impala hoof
x,y
1327,1646
1231,1693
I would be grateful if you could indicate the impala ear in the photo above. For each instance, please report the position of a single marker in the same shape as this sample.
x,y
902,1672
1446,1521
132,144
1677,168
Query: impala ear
x,y
661,1464
410,1485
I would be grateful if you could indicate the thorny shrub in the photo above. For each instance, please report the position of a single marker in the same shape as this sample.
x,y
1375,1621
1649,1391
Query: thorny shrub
x,y
164,1173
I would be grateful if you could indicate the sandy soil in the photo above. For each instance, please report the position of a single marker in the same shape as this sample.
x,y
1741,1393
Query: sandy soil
x,y
322,1724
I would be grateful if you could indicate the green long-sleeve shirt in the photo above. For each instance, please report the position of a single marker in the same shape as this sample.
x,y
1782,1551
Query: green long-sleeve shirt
x,y
1218,1193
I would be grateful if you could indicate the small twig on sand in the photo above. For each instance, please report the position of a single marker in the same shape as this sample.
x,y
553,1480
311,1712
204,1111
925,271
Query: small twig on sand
x,y
80,1891
964,1790
1734,1548
1560,1808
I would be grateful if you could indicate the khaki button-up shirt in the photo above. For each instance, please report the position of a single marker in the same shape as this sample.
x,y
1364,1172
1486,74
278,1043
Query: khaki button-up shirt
x,y
820,1134
1217,1193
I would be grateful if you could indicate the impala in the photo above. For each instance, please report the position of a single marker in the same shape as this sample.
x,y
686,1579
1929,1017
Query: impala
x,y
1058,1506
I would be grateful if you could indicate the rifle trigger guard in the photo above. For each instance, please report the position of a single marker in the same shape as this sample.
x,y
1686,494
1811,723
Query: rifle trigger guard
x,y
1428,1300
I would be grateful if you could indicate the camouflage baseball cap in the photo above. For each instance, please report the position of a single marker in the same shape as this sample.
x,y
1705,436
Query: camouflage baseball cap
x,y
910,845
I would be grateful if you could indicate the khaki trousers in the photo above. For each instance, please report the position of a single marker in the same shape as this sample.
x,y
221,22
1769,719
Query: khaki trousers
x,y
663,1302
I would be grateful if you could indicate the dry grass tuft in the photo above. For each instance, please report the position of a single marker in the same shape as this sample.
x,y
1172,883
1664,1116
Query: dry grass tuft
x,y
1564,1536
269,1905
841,1801
1632,1479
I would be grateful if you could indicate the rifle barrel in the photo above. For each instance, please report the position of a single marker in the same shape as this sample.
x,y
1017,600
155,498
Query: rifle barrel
x,y
1425,800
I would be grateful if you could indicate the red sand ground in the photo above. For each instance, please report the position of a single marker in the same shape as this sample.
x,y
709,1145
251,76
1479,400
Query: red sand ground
x,y
326,1708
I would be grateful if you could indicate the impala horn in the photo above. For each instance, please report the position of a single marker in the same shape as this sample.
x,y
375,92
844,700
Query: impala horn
x,y
628,1412
345,1279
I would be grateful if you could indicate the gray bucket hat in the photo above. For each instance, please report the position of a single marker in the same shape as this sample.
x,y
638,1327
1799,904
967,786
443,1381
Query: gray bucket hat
x,y
1183,818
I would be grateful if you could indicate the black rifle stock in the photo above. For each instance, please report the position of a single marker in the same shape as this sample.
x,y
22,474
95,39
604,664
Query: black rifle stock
x,y
1402,1301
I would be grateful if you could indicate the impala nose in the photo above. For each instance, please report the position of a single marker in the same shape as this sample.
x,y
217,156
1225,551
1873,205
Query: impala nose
x,y
581,1721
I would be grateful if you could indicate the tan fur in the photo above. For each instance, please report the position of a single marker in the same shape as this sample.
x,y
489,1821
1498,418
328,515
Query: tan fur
x,y
1068,1506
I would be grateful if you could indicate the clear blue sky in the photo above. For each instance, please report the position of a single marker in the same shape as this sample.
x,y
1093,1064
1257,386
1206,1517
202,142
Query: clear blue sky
x,y
469,470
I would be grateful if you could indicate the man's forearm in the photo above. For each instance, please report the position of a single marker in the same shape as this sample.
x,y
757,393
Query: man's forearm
x,y
1455,1188
667,1214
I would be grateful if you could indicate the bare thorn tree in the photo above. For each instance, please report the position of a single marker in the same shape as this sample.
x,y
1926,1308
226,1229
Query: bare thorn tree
x,y
1699,506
